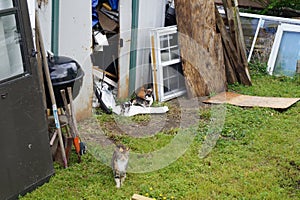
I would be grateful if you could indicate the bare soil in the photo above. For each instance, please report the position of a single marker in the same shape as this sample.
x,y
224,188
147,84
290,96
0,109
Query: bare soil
x,y
182,113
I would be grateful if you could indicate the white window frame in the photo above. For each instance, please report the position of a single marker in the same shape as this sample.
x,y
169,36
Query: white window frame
x,y
276,45
158,65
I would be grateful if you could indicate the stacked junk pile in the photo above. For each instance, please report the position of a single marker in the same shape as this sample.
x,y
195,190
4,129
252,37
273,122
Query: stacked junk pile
x,y
106,42
212,52
222,57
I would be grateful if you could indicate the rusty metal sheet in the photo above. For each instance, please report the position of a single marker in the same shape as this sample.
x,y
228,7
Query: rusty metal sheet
x,y
252,101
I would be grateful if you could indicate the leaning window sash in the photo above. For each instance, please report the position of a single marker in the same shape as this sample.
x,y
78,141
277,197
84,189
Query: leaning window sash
x,y
287,69
165,50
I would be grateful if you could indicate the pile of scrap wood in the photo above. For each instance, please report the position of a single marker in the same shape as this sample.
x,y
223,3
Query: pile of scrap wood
x,y
235,59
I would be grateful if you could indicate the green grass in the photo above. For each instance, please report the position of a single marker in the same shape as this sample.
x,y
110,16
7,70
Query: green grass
x,y
256,157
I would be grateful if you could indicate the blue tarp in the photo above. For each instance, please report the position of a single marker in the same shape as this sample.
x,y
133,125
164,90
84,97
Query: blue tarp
x,y
113,4
95,19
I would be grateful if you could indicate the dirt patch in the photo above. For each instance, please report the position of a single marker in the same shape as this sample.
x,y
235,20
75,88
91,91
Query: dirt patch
x,y
182,113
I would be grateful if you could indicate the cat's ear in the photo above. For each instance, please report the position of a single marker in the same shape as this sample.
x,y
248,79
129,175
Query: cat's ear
x,y
121,149
127,148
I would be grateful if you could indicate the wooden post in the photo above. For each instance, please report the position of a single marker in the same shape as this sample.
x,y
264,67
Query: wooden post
x,y
233,45
230,73
234,62
240,41
40,67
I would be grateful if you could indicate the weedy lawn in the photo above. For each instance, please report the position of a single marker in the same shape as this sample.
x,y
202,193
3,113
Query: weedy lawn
x,y
256,157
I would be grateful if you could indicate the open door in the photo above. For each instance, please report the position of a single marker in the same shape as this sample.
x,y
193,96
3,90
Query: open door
x,y
26,159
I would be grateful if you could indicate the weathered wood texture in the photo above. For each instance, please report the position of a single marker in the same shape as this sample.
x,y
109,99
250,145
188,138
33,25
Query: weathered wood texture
x,y
230,74
252,101
246,3
240,39
201,47
233,41
234,66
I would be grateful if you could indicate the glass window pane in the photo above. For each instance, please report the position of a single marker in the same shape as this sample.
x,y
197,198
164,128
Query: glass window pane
x,y
4,4
165,72
166,86
164,41
181,83
173,70
174,39
264,42
175,53
165,55
10,53
249,26
174,83
173,78
287,57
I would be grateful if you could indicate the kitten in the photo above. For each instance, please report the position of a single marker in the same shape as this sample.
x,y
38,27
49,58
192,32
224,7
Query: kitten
x,y
143,98
125,107
119,164
149,98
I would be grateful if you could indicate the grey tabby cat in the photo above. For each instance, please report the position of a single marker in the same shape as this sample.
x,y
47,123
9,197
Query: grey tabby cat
x,y
119,164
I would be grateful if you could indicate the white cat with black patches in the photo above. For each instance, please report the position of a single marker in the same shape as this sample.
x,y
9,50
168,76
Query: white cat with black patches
x,y
144,97
149,97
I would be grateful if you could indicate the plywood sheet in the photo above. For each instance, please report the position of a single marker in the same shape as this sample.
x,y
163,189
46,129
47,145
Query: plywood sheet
x,y
201,48
252,101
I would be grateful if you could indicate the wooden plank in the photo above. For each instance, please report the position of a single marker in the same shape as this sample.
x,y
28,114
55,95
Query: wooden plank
x,y
139,197
40,68
240,41
154,67
236,34
230,48
252,101
246,3
230,17
100,74
230,73
239,29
